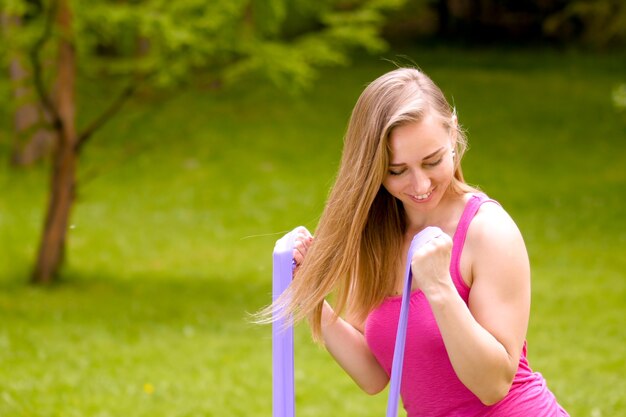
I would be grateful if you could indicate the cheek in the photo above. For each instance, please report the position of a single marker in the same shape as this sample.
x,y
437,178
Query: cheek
x,y
445,173
392,184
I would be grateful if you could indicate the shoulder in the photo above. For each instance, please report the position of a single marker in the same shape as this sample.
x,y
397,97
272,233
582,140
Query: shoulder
x,y
492,225
494,241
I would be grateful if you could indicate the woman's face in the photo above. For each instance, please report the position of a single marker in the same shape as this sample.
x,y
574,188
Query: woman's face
x,y
421,164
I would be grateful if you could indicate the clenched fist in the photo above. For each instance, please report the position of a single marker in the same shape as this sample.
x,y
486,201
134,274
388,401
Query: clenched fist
x,y
431,265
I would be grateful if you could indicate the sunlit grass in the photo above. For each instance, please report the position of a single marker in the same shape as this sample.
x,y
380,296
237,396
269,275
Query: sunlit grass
x,y
182,200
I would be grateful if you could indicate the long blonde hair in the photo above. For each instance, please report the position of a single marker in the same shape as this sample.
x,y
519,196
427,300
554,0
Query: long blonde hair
x,y
359,236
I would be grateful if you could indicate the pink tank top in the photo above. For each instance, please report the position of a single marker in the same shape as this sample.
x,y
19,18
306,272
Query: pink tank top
x,y
430,387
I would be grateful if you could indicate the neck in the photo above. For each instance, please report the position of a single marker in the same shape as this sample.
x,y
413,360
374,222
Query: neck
x,y
440,216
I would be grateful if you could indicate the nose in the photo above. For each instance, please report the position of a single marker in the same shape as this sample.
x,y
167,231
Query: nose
x,y
420,182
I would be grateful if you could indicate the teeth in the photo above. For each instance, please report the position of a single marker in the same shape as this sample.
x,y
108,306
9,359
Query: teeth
x,y
421,197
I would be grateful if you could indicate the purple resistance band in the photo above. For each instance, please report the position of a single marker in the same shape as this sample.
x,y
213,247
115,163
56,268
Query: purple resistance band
x,y
282,332
283,395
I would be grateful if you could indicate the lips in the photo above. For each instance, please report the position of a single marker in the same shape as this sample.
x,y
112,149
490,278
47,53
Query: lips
x,y
422,198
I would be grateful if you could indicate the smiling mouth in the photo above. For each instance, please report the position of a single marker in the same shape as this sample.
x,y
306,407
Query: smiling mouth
x,y
422,197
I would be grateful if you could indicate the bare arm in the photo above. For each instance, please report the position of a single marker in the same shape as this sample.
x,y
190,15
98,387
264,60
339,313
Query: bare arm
x,y
348,347
345,341
484,341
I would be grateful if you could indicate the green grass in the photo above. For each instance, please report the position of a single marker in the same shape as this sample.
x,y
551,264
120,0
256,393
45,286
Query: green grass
x,y
183,199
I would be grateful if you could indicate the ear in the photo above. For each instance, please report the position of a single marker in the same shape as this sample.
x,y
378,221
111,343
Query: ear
x,y
454,131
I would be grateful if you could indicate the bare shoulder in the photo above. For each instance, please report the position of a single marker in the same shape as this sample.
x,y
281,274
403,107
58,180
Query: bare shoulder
x,y
492,225
495,241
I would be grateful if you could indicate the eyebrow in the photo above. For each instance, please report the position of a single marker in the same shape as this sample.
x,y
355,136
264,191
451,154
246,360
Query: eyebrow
x,y
425,158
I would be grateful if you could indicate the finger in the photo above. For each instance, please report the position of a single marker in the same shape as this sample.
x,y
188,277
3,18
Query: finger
x,y
304,242
442,241
302,232
302,237
438,240
300,249
301,245
297,256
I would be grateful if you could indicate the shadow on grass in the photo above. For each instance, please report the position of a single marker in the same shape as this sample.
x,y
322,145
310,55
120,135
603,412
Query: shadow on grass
x,y
215,301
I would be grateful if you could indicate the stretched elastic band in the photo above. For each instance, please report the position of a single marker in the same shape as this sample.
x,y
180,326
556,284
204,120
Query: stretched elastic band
x,y
282,332
398,352
283,384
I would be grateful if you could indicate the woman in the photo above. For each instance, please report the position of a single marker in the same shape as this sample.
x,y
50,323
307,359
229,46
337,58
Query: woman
x,y
401,172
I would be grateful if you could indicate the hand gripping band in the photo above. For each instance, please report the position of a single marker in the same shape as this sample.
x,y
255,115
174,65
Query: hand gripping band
x,y
282,332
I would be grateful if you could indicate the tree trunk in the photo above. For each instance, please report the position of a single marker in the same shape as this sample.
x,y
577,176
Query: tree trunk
x,y
63,178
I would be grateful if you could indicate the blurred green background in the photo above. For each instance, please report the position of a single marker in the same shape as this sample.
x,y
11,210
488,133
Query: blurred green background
x,y
182,194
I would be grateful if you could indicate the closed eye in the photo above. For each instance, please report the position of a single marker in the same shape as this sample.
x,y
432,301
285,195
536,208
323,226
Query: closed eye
x,y
397,172
434,164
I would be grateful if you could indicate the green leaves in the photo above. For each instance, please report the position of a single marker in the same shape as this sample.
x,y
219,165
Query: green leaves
x,y
171,42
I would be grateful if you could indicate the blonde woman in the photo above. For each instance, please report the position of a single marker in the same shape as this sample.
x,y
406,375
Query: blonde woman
x,y
401,172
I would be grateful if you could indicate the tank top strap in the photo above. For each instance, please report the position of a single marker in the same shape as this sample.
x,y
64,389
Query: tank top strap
x,y
460,234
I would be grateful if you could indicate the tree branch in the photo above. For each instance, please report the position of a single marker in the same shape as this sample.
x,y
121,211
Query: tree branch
x,y
107,114
35,59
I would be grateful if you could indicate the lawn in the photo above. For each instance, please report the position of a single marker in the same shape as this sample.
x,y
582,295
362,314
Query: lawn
x,y
184,195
